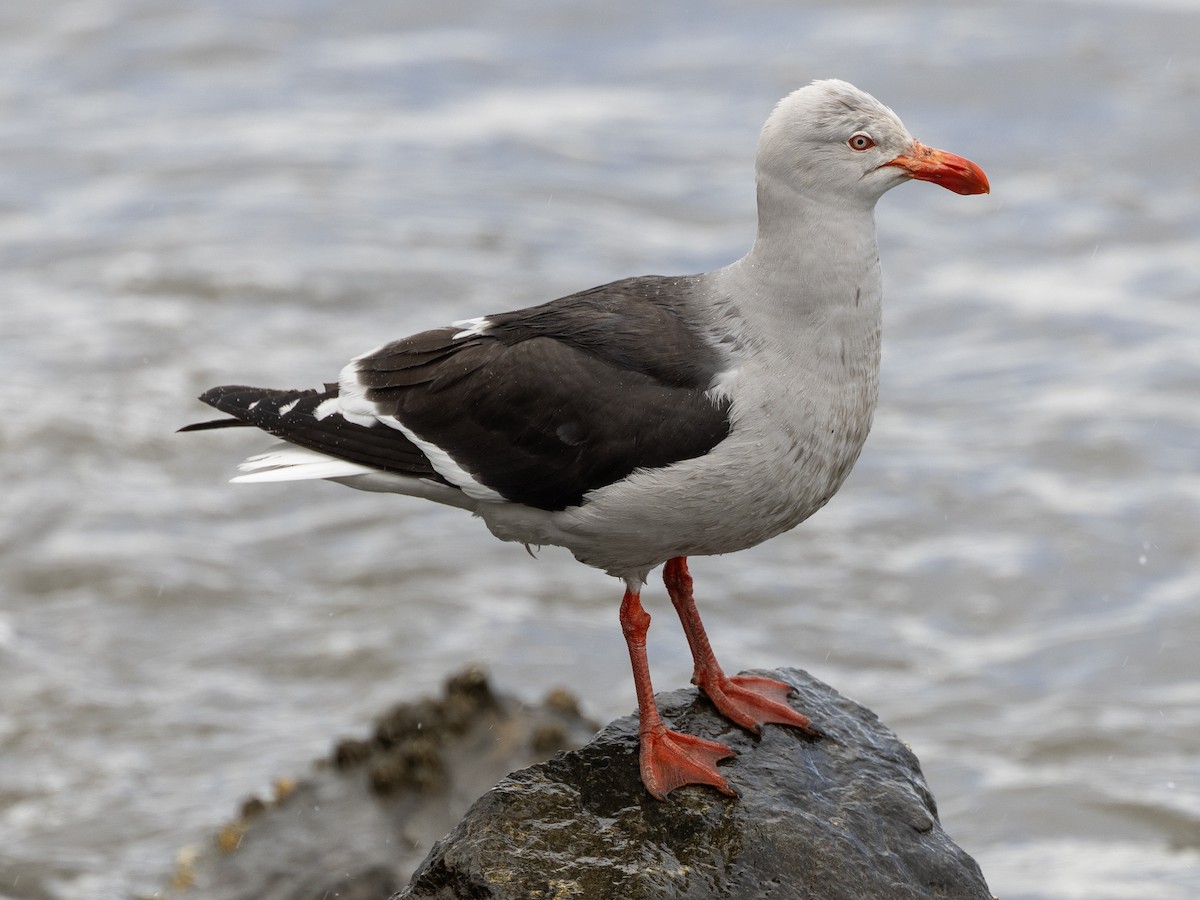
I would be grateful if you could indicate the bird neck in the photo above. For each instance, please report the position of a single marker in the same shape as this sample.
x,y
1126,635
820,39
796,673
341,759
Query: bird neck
x,y
811,252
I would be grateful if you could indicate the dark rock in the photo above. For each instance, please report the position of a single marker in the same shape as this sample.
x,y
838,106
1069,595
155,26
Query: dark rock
x,y
351,752
847,815
357,825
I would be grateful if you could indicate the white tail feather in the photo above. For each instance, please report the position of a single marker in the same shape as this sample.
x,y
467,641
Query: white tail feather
x,y
292,463
287,462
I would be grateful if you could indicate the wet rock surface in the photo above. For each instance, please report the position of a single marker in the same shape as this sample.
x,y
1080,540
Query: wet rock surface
x,y
361,821
847,816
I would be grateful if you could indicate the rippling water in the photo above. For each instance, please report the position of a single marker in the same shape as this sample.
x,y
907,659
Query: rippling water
x,y
194,194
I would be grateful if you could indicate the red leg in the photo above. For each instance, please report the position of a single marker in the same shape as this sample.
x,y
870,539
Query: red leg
x,y
747,700
668,759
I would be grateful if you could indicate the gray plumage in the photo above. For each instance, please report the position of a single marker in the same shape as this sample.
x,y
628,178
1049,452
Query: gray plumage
x,y
653,417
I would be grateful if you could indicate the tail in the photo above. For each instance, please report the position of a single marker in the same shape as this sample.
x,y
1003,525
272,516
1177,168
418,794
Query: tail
x,y
313,420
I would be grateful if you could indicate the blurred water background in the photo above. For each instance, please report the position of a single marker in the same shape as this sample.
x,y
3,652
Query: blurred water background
x,y
202,193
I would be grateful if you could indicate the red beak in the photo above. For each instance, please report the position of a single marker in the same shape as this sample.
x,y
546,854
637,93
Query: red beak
x,y
952,172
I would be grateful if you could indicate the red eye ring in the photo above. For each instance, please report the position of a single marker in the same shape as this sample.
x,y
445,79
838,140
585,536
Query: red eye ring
x,y
860,140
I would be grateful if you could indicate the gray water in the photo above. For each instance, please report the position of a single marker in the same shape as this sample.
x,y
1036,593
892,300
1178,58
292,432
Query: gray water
x,y
205,193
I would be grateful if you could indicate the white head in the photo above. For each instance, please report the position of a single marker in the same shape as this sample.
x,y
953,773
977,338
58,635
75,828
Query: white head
x,y
830,140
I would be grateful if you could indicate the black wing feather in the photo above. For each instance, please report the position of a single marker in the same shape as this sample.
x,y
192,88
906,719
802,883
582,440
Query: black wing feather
x,y
542,405
549,403
380,447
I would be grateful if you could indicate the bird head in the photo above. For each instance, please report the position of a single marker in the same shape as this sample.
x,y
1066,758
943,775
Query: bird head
x,y
830,138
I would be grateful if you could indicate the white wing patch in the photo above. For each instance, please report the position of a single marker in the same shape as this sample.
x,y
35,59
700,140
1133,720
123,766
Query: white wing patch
x,y
471,327
351,403
355,407
445,465
327,408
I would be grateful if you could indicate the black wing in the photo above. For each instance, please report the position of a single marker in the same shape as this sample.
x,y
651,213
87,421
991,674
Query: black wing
x,y
545,404
541,405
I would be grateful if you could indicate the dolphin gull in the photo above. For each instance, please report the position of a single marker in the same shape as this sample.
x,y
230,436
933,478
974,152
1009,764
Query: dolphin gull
x,y
650,419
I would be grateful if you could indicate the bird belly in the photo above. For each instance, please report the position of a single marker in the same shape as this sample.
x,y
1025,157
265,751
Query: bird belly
x,y
788,453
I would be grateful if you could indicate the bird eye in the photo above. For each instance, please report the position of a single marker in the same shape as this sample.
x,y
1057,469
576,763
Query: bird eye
x,y
860,140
